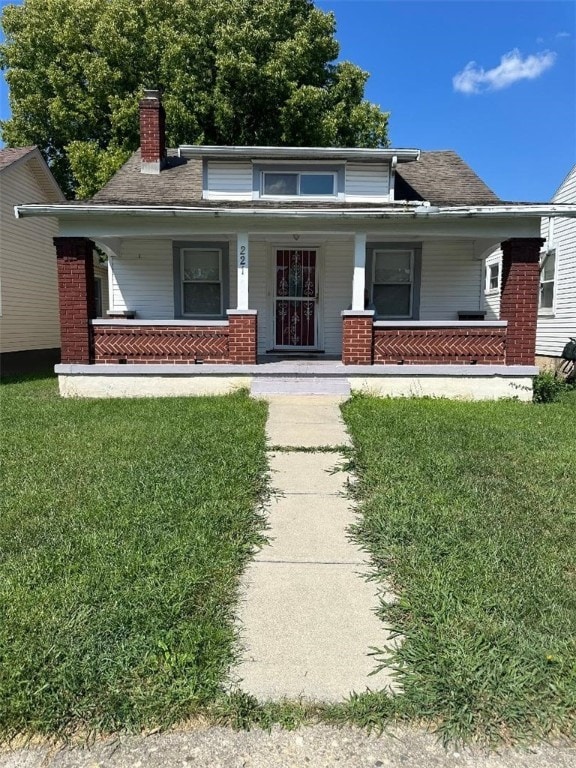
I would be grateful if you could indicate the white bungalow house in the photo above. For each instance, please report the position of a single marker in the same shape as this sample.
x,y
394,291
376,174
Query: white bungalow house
x,y
29,318
360,263
557,304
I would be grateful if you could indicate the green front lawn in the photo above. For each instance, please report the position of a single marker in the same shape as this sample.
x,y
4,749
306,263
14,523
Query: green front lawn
x,y
124,525
469,512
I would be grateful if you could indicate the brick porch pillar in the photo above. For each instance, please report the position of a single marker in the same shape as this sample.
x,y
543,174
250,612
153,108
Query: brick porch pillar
x,y
519,297
243,336
358,337
74,256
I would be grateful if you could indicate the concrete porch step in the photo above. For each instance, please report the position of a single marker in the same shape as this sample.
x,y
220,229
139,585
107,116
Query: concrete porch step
x,y
293,385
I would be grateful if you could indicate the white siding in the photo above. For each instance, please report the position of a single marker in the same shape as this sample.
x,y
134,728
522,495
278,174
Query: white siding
x,y
337,290
367,182
259,291
28,277
229,181
554,331
451,280
143,279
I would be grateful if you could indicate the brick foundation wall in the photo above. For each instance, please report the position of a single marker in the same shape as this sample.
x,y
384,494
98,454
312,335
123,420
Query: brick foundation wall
x,y
519,297
161,344
243,337
440,346
357,336
74,257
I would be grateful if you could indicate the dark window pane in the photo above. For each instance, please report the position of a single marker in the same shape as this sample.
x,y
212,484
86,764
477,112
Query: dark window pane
x,y
547,295
493,276
202,299
202,265
392,300
393,267
316,184
280,183
549,267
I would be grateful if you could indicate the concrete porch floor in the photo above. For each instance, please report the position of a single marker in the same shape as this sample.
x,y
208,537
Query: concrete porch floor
x,y
472,382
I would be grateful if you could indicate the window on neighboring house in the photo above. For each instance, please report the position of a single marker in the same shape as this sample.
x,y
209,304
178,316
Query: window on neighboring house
x,y
201,273
492,277
393,283
98,296
547,272
301,184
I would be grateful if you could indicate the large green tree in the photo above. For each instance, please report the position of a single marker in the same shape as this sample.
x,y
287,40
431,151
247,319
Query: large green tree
x,y
232,72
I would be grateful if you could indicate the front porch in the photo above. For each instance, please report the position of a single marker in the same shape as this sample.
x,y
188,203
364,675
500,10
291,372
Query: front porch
x,y
245,299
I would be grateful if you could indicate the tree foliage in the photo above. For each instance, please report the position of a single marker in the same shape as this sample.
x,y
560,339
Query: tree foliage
x,y
232,72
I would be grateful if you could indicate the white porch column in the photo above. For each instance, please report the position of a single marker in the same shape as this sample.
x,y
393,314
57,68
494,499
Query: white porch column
x,y
359,280
242,270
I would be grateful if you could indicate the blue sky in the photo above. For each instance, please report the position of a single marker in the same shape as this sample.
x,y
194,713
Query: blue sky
x,y
493,80
513,122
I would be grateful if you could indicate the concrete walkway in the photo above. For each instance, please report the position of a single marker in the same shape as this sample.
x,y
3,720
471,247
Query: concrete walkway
x,y
307,614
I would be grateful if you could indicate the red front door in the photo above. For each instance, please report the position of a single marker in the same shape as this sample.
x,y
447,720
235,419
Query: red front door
x,y
295,298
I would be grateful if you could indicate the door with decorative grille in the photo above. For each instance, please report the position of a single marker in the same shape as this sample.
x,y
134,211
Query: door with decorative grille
x,y
296,297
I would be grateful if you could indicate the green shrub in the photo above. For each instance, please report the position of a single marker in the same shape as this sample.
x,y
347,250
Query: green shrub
x,y
548,387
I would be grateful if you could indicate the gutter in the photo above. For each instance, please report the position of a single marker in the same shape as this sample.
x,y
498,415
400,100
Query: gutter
x,y
410,210
299,153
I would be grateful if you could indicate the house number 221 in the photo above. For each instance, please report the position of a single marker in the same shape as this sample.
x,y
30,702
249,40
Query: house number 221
x,y
243,257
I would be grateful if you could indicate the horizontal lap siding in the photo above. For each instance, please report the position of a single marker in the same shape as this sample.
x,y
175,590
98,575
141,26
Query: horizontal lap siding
x,y
143,279
229,181
553,332
28,279
367,181
258,291
337,290
451,280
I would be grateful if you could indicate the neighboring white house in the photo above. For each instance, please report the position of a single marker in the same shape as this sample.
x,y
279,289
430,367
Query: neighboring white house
x,y
29,322
557,310
29,317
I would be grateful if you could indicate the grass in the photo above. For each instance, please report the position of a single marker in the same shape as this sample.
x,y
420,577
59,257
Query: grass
x,y
469,512
124,526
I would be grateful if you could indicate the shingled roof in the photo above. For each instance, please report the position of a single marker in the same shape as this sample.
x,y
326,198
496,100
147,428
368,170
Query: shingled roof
x,y
9,155
442,178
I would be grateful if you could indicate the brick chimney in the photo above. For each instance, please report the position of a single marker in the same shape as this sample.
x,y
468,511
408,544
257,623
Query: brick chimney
x,y
152,133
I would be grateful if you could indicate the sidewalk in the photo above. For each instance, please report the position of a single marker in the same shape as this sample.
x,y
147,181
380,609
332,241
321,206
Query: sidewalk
x,y
307,614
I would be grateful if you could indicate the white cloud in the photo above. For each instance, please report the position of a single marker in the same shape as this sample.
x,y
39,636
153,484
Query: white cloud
x,y
512,67
563,34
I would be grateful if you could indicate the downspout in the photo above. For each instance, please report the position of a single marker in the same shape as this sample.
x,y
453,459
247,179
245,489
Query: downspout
x,y
393,164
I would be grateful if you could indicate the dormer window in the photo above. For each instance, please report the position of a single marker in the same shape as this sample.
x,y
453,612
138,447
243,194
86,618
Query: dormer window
x,y
298,184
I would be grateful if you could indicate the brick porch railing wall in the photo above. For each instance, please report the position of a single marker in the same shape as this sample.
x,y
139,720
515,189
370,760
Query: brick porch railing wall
x,y
357,337
243,336
161,344
519,297
75,260
440,346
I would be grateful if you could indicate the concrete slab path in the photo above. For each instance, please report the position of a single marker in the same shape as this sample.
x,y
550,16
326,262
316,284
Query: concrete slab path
x,y
307,616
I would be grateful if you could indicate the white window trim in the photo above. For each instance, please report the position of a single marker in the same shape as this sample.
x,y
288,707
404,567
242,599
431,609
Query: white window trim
x,y
487,289
548,311
298,196
388,251
209,282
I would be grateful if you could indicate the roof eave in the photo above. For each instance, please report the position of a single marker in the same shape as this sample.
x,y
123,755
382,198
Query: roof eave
x,y
299,153
416,210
